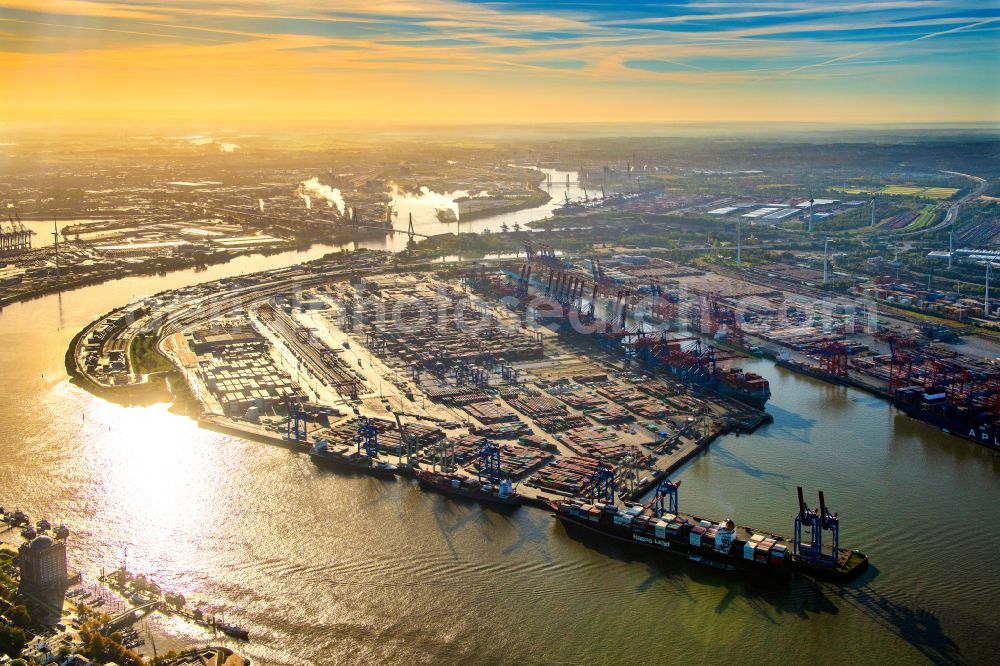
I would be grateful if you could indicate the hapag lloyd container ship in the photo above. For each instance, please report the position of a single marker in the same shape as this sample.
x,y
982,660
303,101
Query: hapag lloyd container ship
x,y
720,545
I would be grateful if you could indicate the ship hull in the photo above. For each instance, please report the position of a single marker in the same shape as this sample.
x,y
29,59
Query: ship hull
x,y
722,562
726,562
512,501
756,399
986,435
811,371
346,464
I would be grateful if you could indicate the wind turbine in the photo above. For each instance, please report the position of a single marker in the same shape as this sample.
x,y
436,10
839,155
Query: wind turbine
x,y
951,246
739,240
986,299
826,263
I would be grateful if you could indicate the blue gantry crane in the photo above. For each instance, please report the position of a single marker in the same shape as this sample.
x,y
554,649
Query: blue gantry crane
x,y
296,428
829,522
808,535
602,483
489,463
666,493
810,524
367,437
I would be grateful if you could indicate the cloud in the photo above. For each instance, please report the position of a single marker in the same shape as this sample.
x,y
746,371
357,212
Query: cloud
x,y
880,47
260,59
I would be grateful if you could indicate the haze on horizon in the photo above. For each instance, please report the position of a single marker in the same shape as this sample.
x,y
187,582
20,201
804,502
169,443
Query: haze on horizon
x,y
450,62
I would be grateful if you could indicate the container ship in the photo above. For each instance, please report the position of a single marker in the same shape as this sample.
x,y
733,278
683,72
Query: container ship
x,y
687,359
501,494
720,545
345,458
968,420
747,387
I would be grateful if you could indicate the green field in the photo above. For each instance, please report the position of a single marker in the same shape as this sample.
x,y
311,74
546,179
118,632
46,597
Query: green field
x,y
144,356
928,214
922,192
940,192
903,191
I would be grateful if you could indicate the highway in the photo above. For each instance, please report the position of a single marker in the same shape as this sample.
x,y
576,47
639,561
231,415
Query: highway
x,y
955,207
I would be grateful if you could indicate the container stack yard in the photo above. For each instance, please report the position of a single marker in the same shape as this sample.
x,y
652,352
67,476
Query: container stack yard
x,y
426,376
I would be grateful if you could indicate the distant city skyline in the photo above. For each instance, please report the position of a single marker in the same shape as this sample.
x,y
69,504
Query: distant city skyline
x,y
433,62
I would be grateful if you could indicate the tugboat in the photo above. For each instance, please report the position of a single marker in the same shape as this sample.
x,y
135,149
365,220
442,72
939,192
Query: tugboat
x,y
29,533
323,455
43,525
62,532
19,518
501,494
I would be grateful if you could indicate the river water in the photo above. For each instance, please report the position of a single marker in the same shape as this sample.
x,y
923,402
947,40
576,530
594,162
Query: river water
x,y
325,568
425,219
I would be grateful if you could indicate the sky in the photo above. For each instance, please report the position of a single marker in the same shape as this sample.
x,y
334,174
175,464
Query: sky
x,y
448,62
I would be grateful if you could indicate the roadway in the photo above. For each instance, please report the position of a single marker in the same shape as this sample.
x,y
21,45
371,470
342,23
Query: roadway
x,y
952,215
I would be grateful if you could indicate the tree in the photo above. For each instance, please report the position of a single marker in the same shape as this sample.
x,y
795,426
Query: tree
x,y
12,640
20,616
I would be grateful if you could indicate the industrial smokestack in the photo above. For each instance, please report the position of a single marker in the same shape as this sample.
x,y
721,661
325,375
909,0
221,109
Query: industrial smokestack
x,y
331,195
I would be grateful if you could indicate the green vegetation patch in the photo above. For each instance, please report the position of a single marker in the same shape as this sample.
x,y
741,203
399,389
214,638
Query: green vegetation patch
x,y
939,192
852,190
928,215
144,357
922,192
905,190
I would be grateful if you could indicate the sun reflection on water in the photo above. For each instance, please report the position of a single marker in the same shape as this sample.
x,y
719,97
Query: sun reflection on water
x,y
155,481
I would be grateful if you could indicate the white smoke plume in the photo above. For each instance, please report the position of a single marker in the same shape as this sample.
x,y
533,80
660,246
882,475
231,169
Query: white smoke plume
x,y
260,202
308,200
315,188
428,198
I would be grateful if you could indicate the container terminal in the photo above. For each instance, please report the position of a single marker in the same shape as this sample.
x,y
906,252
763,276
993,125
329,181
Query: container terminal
x,y
443,377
